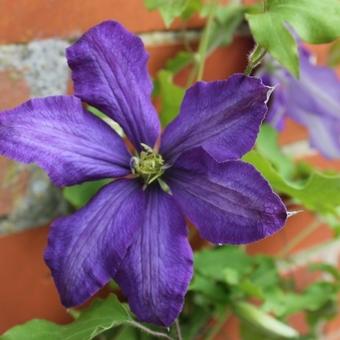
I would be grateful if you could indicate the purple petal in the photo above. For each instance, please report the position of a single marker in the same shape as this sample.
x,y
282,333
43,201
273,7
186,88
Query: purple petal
x,y
313,101
229,202
69,143
223,117
109,70
158,267
85,249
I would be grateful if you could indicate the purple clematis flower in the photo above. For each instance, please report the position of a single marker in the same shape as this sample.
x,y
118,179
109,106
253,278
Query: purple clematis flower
x,y
134,229
313,101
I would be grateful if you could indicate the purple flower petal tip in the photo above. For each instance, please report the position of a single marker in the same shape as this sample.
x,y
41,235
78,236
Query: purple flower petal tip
x,y
109,71
71,144
229,202
222,117
158,267
86,249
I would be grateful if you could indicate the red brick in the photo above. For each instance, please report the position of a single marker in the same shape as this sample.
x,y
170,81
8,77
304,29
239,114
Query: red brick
x,y
230,330
321,163
13,88
298,321
14,91
27,290
221,64
274,244
292,132
13,184
24,20
332,327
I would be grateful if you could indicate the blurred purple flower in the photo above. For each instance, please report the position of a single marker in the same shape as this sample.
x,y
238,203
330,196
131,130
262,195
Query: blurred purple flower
x,y
313,101
134,230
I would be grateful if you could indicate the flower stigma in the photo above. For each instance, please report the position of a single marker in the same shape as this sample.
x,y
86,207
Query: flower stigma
x,y
149,166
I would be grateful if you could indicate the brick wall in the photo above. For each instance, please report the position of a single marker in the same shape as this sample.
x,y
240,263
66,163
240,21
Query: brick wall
x,y
33,36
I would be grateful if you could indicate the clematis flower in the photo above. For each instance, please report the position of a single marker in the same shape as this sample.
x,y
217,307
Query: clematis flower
x,y
313,101
134,229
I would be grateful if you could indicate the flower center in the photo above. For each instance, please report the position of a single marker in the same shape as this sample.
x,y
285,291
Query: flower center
x,y
148,165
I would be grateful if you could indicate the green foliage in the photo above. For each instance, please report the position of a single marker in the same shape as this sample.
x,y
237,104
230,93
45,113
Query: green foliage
x,y
334,54
267,146
100,316
170,9
265,322
317,191
79,195
171,96
220,33
315,22
326,268
226,277
226,21
212,263
180,61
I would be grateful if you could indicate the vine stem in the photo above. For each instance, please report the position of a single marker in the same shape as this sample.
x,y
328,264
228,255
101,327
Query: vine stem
x,y
178,330
203,48
148,330
199,63
265,5
300,237
255,59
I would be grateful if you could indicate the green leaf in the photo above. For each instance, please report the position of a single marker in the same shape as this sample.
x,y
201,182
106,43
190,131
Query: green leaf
x,y
127,333
231,276
334,54
315,297
170,9
79,195
267,146
212,263
100,316
264,321
171,96
315,21
249,332
250,289
193,6
195,318
214,292
333,221
319,192
226,21
265,274
179,62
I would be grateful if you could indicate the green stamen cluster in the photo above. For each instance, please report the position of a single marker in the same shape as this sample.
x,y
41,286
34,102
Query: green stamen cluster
x,y
148,165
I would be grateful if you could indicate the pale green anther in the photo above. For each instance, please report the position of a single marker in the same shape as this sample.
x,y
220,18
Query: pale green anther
x,y
148,164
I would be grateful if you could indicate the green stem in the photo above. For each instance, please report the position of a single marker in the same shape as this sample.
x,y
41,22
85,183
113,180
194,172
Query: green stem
x,y
178,330
148,330
200,57
265,5
203,48
255,59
